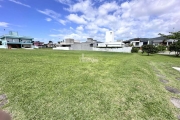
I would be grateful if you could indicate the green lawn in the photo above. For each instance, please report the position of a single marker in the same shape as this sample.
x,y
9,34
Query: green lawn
x,y
57,85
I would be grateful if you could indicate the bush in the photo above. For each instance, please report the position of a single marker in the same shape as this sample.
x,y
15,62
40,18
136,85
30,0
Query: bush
x,y
149,49
134,50
161,48
175,47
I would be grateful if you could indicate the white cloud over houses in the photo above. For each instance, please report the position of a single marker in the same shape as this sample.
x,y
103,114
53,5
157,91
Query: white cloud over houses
x,y
80,28
128,19
20,3
77,19
54,15
4,24
48,19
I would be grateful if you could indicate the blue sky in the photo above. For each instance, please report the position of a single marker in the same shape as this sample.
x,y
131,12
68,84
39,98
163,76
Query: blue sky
x,y
79,19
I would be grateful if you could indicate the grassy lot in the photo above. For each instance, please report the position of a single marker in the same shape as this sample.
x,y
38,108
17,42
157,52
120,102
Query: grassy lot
x,y
56,85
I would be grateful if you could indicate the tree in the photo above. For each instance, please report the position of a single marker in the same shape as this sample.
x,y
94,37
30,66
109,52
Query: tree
x,y
176,45
149,49
161,48
50,41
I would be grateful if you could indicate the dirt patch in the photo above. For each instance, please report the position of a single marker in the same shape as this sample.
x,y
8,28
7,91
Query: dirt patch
x,y
163,80
3,97
160,75
3,100
157,71
4,116
178,117
176,102
172,90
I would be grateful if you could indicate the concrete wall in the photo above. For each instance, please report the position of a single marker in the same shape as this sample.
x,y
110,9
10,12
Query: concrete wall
x,y
61,48
69,40
81,46
3,46
124,49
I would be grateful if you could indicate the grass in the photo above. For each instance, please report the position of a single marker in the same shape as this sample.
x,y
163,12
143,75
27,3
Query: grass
x,y
56,85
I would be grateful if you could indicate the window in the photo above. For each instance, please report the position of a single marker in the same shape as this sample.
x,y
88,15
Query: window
x,y
91,45
156,44
145,43
137,44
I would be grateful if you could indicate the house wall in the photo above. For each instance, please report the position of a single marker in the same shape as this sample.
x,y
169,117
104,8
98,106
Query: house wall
x,y
4,44
12,40
28,46
26,41
69,40
134,43
124,49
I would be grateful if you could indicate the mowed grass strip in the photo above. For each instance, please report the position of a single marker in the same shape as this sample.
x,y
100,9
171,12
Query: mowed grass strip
x,y
46,84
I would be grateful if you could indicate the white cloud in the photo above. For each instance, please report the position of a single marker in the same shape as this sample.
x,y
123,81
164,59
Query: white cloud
x,y
77,19
50,13
80,28
128,19
64,1
54,15
48,19
17,2
4,24
107,7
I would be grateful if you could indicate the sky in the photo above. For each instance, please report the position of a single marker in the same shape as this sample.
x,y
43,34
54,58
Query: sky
x,y
56,20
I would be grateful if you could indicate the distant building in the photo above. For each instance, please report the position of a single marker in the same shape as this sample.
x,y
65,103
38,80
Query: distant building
x,y
88,45
13,40
138,42
109,36
109,42
38,44
70,44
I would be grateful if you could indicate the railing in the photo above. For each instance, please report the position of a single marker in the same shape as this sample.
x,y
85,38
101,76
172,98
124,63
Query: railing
x,y
19,42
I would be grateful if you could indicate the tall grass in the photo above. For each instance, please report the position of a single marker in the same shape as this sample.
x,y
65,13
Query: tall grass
x,y
55,85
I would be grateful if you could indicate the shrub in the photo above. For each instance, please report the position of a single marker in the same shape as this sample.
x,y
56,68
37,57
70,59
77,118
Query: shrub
x,y
161,48
134,50
149,49
175,47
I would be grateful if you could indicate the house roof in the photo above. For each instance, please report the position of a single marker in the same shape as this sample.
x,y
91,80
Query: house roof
x,y
15,36
157,41
145,39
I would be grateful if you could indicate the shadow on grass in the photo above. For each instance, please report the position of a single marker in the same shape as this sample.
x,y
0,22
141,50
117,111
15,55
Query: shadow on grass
x,y
172,56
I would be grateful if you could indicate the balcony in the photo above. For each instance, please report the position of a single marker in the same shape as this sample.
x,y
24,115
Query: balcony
x,y
19,42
